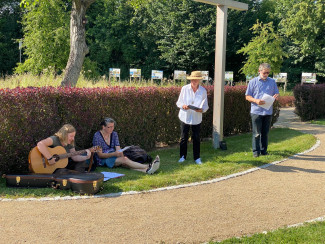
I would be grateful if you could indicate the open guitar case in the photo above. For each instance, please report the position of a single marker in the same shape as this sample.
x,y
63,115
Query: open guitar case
x,y
83,183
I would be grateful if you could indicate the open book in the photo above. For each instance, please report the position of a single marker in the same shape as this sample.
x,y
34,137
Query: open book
x,y
193,107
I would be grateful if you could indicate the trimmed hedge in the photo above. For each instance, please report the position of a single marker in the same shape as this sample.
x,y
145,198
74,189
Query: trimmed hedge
x,y
286,101
310,101
144,116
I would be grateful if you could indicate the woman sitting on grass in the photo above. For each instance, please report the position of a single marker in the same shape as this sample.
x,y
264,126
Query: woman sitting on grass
x,y
64,138
111,156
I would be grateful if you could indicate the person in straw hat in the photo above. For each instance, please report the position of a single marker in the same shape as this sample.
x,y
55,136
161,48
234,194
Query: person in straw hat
x,y
192,102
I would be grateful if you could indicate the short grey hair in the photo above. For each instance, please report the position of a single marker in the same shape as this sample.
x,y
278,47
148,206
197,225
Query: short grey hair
x,y
264,66
107,121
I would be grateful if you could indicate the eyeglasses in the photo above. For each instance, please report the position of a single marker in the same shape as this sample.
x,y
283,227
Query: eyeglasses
x,y
108,127
265,73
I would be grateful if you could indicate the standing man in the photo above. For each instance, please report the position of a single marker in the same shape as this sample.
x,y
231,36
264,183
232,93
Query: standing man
x,y
261,117
192,102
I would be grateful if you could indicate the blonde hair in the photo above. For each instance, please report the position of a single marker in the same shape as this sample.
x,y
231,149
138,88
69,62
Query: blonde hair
x,y
63,133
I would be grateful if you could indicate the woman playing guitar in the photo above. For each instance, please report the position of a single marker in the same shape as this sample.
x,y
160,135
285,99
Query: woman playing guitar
x,y
63,138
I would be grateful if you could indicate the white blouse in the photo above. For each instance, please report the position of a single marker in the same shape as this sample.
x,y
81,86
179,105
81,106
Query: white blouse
x,y
189,97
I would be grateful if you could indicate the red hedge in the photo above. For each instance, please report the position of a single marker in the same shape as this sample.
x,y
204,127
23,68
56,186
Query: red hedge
x,y
286,101
310,101
144,116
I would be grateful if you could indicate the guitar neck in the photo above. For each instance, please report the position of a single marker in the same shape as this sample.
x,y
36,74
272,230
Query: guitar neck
x,y
67,155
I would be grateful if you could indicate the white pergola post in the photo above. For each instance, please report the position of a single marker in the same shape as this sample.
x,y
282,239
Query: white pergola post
x,y
220,63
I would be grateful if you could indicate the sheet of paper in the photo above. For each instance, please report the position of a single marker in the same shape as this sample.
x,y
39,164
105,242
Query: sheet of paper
x,y
123,149
269,100
111,175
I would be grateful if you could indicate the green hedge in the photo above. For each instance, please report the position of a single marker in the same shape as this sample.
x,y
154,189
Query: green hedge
x,y
310,101
144,117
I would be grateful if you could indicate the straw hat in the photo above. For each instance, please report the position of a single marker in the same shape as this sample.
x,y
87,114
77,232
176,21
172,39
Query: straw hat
x,y
195,75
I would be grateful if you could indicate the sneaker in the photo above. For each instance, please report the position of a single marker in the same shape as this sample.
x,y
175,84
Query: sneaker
x,y
181,160
264,153
256,154
154,166
198,161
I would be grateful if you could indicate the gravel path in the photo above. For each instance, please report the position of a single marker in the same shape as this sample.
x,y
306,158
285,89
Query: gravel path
x,y
277,196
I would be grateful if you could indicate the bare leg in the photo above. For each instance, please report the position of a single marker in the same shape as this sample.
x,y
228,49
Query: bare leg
x,y
125,162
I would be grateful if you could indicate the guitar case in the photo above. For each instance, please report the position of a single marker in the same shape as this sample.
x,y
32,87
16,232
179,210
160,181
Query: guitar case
x,y
83,183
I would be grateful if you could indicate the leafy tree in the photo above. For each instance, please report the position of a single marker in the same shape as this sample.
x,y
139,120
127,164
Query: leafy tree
x,y
46,37
113,37
302,21
150,34
10,32
239,33
185,32
78,47
123,36
265,47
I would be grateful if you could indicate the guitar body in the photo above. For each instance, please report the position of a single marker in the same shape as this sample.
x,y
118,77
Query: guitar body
x,y
39,165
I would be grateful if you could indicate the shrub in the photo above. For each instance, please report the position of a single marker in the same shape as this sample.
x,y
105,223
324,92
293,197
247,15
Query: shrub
x,y
144,116
310,101
286,101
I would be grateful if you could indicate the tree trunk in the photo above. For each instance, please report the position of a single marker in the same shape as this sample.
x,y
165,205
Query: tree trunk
x,y
78,46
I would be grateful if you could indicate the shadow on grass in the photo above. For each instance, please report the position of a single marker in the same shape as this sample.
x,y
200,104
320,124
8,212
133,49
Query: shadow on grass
x,y
216,163
239,152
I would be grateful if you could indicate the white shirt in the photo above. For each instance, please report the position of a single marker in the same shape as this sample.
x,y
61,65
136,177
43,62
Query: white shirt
x,y
198,99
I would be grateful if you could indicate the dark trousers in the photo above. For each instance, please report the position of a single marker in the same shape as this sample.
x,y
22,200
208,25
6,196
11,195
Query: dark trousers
x,y
185,128
260,126
77,166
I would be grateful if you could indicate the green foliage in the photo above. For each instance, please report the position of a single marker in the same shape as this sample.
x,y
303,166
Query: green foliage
x,y
180,34
308,233
90,70
10,32
318,122
112,37
265,47
302,21
239,33
27,3
165,35
46,36
185,32
143,34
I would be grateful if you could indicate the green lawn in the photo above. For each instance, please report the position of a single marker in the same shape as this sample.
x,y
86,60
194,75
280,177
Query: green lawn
x,y
309,233
216,163
318,122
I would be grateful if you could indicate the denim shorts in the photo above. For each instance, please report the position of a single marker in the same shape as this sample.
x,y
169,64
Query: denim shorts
x,y
109,162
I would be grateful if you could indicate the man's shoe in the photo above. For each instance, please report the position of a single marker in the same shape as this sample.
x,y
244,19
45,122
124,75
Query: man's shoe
x,y
154,166
256,154
181,160
198,161
264,153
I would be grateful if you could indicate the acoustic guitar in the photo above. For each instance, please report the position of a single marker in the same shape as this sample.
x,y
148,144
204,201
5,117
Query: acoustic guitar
x,y
38,163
